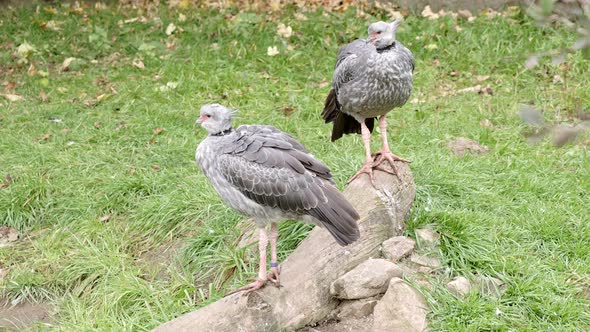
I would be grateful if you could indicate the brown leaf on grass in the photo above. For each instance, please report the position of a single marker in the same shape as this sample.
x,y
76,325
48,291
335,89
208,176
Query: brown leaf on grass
x,y
464,13
288,110
455,73
486,91
321,84
102,97
12,97
45,137
152,141
157,131
7,235
138,63
481,78
65,66
97,124
32,70
105,218
7,181
486,123
436,62
43,96
156,168
9,86
462,145
171,44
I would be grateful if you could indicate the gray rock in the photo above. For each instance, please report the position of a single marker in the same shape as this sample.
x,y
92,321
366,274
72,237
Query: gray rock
x,y
402,308
459,286
356,308
431,263
427,236
397,248
367,279
462,146
490,286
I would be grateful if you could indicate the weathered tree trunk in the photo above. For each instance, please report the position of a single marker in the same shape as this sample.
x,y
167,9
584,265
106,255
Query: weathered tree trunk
x,y
307,273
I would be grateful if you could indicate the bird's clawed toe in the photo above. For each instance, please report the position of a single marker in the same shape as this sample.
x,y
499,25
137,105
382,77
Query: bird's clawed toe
x,y
366,169
273,276
249,288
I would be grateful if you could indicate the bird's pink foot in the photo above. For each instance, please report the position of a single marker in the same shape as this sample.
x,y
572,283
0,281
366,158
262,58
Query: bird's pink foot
x,y
257,284
273,276
366,169
381,156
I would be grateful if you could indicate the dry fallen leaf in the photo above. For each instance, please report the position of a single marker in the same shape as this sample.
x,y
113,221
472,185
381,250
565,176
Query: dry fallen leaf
x,y
43,96
9,86
287,110
32,70
481,78
157,131
156,168
181,17
45,137
7,235
272,51
284,31
12,97
97,124
66,64
486,123
7,181
105,218
428,13
138,63
170,29
321,84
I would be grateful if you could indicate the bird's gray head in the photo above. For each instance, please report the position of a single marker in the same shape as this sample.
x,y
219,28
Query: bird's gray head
x,y
382,34
215,118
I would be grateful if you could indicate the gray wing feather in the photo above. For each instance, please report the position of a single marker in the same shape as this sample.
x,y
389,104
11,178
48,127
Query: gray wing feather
x,y
273,169
347,63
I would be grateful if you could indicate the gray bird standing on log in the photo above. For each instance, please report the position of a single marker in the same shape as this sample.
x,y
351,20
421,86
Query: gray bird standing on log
x,y
262,172
371,78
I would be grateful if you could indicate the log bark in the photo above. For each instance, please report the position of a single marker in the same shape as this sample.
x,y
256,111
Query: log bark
x,y
307,273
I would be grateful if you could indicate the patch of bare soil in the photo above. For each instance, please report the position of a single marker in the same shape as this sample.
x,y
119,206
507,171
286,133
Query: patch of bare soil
x,y
158,262
23,315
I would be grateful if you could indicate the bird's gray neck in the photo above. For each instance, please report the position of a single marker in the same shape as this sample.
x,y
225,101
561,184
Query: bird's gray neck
x,y
386,48
224,132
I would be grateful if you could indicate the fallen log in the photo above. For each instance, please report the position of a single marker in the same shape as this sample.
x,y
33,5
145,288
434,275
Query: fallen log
x,y
307,273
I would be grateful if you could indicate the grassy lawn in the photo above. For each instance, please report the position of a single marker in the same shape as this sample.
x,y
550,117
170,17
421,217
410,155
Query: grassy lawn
x,y
120,231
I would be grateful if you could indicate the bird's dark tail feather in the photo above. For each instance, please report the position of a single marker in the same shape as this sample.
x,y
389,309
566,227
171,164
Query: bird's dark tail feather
x,y
338,217
343,123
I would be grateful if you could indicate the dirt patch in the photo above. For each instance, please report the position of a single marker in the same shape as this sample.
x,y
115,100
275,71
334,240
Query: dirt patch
x,y
158,262
20,316
462,146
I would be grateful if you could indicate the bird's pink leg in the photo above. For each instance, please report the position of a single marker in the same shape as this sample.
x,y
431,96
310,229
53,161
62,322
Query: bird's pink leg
x,y
261,280
273,275
368,166
385,153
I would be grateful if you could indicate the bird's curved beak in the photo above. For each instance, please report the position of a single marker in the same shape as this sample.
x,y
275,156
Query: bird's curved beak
x,y
373,37
201,119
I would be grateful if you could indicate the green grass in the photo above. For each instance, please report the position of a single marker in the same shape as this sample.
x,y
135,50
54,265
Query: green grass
x,y
518,213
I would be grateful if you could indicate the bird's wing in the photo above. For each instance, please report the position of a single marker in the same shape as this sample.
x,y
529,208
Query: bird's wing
x,y
271,168
349,62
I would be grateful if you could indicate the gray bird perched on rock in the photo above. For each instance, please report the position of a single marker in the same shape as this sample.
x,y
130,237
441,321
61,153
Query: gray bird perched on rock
x,y
262,172
371,77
